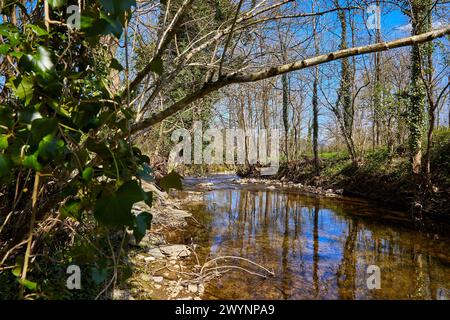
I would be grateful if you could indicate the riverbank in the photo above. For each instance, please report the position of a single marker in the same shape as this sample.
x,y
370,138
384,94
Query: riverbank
x,y
163,265
382,177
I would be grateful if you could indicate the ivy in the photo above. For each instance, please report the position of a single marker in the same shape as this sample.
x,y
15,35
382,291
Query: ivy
x,y
62,121
53,124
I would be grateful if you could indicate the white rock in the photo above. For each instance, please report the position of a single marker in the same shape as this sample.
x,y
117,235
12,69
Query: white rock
x,y
149,259
158,279
155,253
176,251
193,288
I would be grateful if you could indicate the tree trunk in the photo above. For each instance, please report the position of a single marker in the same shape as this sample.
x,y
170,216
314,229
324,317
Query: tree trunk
x,y
345,93
315,103
420,9
377,89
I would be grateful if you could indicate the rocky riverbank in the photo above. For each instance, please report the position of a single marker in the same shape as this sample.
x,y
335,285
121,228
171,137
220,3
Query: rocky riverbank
x,y
272,184
164,266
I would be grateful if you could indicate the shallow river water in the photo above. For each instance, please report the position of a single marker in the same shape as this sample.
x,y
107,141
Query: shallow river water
x,y
318,248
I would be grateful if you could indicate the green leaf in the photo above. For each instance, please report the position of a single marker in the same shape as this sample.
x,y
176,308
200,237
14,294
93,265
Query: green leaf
x,y
32,162
55,105
143,223
30,285
28,116
50,147
38,30
99,275
99,148
145,172
116,65
23,88
6,117
88,22
56,3
112,25
87,174
40,62
4,48
115,210
43,127
72,208
5,165
172,180
86,116
3,142
157,66
117,7
17,271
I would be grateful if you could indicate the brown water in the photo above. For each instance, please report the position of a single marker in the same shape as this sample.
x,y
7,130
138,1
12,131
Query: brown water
x,y
319,248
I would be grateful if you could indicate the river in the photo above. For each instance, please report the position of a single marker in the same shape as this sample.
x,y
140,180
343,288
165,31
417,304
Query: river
x,y
318,248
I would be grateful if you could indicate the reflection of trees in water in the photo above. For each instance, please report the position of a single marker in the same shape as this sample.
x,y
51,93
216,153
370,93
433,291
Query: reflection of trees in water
x,y
268,227
346,273
316,251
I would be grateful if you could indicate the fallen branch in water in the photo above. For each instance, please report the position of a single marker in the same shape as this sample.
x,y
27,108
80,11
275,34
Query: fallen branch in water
x,y
271,273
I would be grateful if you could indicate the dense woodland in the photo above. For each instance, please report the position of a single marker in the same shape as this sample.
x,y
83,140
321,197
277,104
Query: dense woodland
x,y
87,107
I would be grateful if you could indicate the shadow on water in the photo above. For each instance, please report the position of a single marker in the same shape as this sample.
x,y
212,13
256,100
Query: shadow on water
x,y
319,248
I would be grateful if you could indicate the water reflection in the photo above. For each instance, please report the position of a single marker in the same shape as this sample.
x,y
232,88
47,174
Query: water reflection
x,y
318,248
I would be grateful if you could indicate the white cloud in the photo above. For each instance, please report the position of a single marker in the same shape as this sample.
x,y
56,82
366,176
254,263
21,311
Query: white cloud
x,y
408,27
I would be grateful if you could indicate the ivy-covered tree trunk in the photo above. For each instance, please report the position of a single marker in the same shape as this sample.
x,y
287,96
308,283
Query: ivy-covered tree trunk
x,y
345,93
285,82
419,21
417,90
377,90
315,103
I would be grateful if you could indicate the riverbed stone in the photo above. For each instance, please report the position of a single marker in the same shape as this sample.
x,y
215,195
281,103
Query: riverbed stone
x,y
149,259
175,251
193,288
156,253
